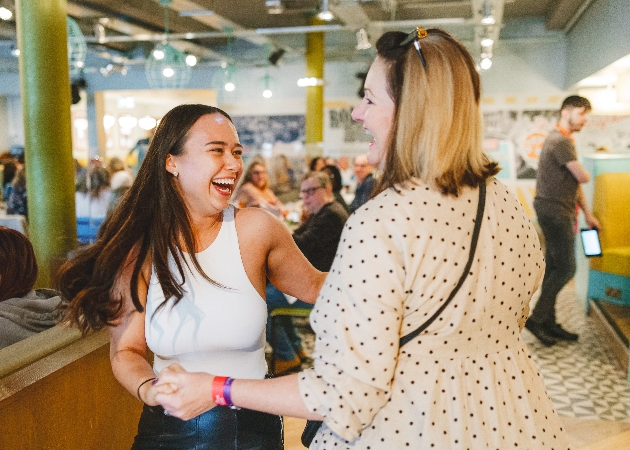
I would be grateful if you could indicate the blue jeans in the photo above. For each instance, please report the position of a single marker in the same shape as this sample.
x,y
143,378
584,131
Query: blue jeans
x,y
287,341
560,258
221,428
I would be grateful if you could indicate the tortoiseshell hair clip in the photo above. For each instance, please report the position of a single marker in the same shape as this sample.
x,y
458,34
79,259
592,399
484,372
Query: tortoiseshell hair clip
x,y
415,36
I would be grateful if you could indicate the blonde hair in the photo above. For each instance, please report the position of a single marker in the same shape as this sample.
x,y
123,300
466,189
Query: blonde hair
x,y
248,177
436,134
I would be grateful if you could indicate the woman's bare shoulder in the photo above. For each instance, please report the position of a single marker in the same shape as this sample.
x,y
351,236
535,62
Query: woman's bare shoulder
x,y
256,220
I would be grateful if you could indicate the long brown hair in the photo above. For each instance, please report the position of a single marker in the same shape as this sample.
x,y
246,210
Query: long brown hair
x,y
437,128
18,267
152,220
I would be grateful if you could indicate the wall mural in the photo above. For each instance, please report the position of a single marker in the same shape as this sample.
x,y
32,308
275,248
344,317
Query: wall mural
x,y
258,132
515,138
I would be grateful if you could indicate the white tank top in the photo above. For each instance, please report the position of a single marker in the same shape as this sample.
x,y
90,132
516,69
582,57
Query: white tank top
x,y
213,330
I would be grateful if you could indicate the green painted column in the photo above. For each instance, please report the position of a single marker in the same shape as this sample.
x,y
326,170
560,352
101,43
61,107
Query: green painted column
x,y
315,94
45,90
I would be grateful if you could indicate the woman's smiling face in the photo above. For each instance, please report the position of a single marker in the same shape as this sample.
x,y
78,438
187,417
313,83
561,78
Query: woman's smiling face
x,y
210,165
376,111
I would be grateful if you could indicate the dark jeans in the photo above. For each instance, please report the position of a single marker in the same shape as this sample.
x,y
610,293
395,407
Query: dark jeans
x,y
560,259
221,428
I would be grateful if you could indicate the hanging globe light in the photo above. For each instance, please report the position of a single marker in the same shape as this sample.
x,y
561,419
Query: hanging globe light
x,y
77,47
170,71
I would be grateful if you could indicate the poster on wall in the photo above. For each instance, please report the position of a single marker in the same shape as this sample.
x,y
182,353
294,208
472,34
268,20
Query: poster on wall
x,y
278,139
604,133
257,133
520,135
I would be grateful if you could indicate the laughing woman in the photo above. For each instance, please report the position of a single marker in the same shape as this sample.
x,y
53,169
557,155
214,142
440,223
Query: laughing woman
x,y
418,324
179,271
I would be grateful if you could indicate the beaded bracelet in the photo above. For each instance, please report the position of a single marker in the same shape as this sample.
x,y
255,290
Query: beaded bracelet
x,y
141,384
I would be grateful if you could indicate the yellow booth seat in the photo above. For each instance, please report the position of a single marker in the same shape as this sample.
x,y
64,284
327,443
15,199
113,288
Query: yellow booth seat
x,y
609,277
611,206
614,260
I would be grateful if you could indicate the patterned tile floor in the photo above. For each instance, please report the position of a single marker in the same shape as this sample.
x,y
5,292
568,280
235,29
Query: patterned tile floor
x,y
582,378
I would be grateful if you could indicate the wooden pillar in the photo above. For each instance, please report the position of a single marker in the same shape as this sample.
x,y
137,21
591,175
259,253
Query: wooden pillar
x,y
46,99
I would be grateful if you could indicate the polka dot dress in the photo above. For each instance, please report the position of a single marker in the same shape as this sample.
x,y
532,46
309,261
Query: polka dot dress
x,y
467,382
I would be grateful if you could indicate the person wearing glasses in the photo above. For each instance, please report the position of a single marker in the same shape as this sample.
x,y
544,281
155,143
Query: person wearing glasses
x,y
418,324
317,239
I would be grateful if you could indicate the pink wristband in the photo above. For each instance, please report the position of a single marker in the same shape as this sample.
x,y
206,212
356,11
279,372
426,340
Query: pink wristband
x,y
218,397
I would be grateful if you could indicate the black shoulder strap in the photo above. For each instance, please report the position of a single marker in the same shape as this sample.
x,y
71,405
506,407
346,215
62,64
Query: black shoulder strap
x,y
473,246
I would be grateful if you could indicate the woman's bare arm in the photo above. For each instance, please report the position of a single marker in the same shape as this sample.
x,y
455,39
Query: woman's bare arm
x,y
268,251
128,347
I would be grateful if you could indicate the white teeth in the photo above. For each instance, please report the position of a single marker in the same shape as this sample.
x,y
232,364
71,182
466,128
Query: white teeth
x,y
227,181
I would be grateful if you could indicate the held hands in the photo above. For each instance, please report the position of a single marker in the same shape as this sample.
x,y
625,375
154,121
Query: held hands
x,y
183,394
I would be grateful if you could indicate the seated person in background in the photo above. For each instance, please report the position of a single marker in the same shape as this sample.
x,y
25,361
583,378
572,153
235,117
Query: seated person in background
x,y
317,238
23,311
16,194
255,191
335,178
8,173
347,174
317,164
365,182
121,181
93,199
119,174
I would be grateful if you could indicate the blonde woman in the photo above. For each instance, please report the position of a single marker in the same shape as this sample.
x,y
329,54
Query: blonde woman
x,y
443,250
255,191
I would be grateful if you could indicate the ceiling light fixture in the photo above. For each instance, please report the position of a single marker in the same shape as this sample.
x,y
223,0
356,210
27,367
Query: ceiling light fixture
x,y
274,6
77,47
363,41
487,13
111,68
147,123
191,60
487,41
100,32
267,92
486,36
166,66
5,14
325,13
306,82
486,63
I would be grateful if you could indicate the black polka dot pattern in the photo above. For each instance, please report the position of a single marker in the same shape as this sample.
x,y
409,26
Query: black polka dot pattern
x,y
467,382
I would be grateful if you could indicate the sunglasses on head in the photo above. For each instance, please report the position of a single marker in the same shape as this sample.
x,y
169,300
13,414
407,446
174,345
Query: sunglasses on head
x,y
415,36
